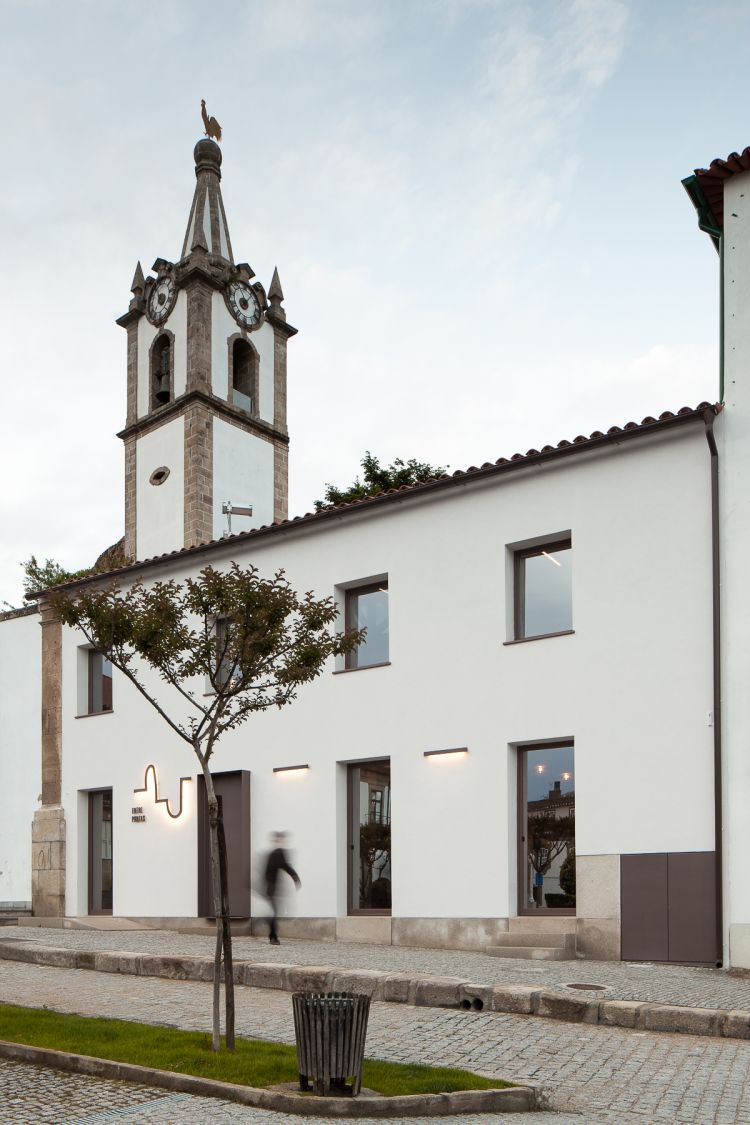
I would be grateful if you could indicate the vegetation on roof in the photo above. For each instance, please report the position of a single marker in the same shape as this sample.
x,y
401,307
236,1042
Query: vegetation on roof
x,y
377,478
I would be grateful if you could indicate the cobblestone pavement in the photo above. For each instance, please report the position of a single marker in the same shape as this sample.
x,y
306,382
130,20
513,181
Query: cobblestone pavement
x,y
659,984
594,1075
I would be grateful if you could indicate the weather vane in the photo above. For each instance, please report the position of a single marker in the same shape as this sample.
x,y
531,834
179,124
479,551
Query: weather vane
x,y
212,126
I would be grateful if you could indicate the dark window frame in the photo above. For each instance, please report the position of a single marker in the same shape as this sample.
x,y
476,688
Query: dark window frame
x,y
519,585
90,901
91,656
351,660
525,911
352,910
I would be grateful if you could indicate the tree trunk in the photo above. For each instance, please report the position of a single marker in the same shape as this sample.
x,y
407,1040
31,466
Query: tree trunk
x,y
226,933
213,821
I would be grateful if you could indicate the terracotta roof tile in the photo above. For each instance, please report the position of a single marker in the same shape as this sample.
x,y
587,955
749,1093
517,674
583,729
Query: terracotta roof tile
x,y
503,464
712,179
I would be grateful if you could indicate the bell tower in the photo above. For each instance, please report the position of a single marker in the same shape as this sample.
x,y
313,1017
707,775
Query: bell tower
x,y
206,387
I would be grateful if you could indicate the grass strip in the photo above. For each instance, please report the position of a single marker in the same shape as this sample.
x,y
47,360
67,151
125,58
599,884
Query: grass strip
x,y
255,1062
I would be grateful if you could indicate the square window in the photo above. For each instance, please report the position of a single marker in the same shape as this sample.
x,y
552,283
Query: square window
x,y
99,683
367,608
543,594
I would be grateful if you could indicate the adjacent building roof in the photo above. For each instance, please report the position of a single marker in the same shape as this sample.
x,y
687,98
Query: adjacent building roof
x,y
706,190
613,436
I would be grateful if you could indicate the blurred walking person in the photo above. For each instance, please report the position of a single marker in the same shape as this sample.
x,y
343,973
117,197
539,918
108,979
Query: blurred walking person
x,y
275,864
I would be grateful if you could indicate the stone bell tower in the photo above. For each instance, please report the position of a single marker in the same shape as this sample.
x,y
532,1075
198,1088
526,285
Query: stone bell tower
x,y
206,387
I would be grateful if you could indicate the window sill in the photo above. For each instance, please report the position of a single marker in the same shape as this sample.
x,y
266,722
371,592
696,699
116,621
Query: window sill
x,y
540,637
94,714
362,667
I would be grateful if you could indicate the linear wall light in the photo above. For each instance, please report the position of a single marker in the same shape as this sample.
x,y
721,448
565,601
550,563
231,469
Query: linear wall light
x,y
290,769
440,753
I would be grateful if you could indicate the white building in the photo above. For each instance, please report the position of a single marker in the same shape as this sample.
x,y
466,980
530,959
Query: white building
x,y
540,694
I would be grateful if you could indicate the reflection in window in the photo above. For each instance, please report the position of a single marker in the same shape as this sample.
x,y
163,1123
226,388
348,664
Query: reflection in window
x,y
100,683
543,590
370,836
367,608
547,776
100,852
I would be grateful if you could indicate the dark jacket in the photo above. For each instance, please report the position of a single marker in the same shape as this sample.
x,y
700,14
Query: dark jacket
x,y
275,863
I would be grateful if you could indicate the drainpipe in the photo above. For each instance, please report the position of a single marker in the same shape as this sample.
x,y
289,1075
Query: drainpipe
x,y
709,416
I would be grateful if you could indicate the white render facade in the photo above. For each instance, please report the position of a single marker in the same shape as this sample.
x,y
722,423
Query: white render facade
x,y
639,729
636,707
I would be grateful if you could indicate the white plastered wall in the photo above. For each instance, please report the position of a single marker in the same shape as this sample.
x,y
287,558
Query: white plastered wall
x,y
733,432
155,861
20,752
176,323
243,473
632,686
160,508
146,334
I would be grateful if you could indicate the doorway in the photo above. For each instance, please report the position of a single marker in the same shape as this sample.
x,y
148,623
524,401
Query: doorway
x,y
369,837
546,824
100,852
233,789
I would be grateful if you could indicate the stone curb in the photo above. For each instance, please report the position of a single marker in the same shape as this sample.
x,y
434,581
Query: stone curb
x,y
402,988
514,1100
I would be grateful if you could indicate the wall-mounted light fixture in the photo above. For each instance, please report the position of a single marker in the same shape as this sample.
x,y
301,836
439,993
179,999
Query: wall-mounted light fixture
x,y
161,800
291,769
456,750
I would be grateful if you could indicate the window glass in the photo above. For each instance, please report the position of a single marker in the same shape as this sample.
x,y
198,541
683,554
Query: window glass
x,y
548,876
100,683
545,577
367,608
370,836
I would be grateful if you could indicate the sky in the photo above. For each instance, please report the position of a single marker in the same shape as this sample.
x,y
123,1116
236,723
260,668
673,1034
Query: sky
x,y
475,208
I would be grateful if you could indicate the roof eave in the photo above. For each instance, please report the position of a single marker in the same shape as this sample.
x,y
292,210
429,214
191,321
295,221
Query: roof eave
x,y
534,457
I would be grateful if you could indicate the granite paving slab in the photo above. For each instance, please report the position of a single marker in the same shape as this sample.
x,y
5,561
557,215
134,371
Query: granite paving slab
x,y
681,985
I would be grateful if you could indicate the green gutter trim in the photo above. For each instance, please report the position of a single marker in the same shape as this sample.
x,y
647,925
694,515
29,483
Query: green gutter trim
x,y
707,221
721,320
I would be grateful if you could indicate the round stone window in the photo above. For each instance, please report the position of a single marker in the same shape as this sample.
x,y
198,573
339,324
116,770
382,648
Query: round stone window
x,y
159,475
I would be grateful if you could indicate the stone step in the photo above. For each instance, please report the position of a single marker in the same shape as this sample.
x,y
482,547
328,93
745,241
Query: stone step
x,y
553,940
532,952
546,924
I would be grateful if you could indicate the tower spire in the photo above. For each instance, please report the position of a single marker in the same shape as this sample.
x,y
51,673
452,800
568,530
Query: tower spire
x,y
207,228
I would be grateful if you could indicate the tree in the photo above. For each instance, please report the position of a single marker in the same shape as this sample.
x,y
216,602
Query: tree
x,y
254,639
40,576
378,479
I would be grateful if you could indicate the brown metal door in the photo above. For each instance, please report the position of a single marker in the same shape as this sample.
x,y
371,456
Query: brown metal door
x,y
644,913
668,907
692,902
234,789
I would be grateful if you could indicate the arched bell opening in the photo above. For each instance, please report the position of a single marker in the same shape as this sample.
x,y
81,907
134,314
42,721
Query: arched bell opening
x,y
244,375
161,370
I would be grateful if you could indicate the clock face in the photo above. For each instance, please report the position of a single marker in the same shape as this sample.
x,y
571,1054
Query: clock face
x,y
161,299
244,304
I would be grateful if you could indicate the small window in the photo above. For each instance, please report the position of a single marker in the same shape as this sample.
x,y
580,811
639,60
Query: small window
x,y
100,683
543,590
367,608
244,375
224,660
161,371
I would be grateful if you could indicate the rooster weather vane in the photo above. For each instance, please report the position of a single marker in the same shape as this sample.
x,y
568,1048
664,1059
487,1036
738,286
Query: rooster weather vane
x,y
212,128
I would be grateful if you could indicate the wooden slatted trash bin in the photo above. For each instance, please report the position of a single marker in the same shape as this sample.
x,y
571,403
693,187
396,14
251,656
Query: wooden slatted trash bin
x,y
330,1029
